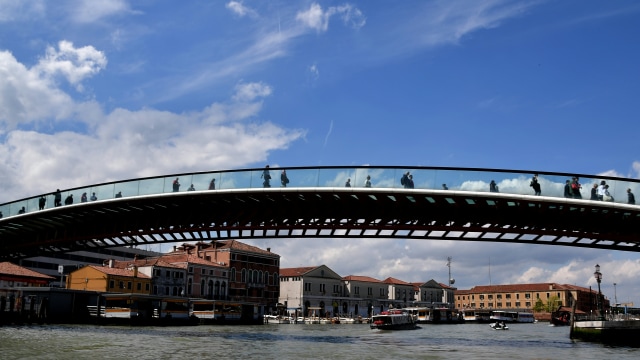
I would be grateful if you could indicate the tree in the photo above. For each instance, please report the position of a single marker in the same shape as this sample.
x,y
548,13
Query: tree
x,y
539,306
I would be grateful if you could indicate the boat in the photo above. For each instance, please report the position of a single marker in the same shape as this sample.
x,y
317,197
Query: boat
x,y
476,315
425,315
511,316
499,325
562,316
394,320
617,332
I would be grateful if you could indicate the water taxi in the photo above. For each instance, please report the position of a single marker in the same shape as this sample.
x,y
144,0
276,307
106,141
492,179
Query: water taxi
x,y
394,320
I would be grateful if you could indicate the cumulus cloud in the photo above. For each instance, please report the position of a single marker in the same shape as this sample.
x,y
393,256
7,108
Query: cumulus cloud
x,y
238,8
95,146
74,64
318,19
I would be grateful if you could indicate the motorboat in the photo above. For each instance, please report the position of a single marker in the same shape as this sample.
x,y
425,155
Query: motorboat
x,y
394,320
499,326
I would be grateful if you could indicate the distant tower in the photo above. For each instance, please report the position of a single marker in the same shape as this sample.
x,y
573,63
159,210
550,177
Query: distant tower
x,y
451,280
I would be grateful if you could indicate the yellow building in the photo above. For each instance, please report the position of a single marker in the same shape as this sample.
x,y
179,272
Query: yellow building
x,y
109,279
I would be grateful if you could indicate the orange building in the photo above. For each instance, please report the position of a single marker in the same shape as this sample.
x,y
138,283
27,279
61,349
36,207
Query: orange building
x,y
109,279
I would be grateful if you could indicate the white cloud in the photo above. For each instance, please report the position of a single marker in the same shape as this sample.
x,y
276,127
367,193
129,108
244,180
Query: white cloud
x,y
96,146
75,64
238,8
318,19
89,11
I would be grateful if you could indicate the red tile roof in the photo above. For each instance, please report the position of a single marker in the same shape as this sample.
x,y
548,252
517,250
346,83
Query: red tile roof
x,y
524,287
361,279
7,268
117,272
240,246
394,281
298,271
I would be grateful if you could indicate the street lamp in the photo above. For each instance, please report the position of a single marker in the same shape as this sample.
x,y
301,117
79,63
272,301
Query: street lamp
x,y
598,276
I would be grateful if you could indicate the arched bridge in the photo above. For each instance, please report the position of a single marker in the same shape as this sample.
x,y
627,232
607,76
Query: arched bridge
x,y
443,204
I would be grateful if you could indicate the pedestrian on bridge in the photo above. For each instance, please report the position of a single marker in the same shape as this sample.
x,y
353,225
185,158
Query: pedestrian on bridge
x,y
367,183
212,184
266,175
284,180
535,185
493,187
631,197
176,185
348,183
69,200
57,198
42,202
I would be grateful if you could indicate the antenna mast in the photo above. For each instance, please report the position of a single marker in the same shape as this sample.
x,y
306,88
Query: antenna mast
x,y
451,280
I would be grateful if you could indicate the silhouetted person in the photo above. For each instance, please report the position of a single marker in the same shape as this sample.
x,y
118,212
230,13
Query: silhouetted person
x,y
575,188
493,187
444,187
93,197
57,198
119,194
0,214
284,180
266,176
348,183
404,180
22,211
212,184
410,184
567,189
601,190
535,185
42,202
367,183
631,199
68,200
83,198
594,192
176,185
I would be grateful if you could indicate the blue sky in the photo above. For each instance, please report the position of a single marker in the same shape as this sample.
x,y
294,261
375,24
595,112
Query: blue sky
x,y
99,91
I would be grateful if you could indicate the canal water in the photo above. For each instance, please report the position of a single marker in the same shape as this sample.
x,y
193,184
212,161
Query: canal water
x,y
272,341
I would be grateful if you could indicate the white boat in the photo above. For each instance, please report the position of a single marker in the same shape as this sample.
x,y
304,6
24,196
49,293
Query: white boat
x,y
425,315
499,326
394,320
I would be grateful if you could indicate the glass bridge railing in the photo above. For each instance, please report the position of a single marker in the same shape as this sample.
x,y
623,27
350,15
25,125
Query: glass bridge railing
x,y
435,178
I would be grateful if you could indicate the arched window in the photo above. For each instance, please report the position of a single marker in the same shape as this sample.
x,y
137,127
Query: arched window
x,y
216,291
275,278
189,286
223,290
202,292
260,277
232,275
244,275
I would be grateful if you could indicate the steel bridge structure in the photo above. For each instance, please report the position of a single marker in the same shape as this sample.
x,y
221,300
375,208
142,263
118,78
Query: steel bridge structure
x,y
315,203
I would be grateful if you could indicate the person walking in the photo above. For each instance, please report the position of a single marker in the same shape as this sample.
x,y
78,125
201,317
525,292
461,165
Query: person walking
x,y
631,199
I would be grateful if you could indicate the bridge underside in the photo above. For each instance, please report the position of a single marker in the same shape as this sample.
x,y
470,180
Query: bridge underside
x,y
321,213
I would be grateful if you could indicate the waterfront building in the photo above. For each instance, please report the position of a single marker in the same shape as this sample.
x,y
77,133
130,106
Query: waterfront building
x,y
529,297
167,279
367,295
109,279
400,293
205,279
312,291
253,273
434,294
61,264
12,276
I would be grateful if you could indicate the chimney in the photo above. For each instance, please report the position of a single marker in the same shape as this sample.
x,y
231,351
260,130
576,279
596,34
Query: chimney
x,y
269,249
135,271
111,263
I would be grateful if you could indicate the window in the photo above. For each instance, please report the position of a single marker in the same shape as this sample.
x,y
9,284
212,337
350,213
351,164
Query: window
x,y
307,286
527,296
381,292
499,296
190,269
111,284
508,296
369,291
129,285
499,304
121,284
527,304
139,286
481,297
168,274
146,287
322,288
508,304
357,290
203,271
517,304
490,297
